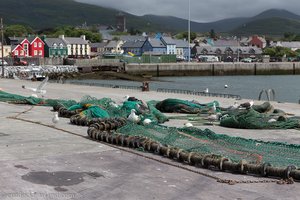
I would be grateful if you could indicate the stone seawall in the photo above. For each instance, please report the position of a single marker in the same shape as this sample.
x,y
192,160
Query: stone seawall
x,y
214,69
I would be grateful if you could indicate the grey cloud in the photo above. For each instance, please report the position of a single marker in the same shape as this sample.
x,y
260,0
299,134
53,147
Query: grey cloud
x,y
201,11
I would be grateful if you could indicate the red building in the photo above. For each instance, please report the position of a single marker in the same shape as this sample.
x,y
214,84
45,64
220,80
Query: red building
x,y
27,47
257,41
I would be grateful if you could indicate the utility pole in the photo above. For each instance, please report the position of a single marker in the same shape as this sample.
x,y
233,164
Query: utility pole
x,y
189,32
238,52
2,50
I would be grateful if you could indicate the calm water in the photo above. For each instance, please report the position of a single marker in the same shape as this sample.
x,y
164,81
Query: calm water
x,y
287,87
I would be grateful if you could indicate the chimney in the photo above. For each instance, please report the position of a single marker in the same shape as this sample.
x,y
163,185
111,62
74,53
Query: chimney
x,y
62,37
83,37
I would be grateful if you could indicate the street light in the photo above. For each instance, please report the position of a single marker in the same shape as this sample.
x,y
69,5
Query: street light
x,y
189,32
2,51
238,53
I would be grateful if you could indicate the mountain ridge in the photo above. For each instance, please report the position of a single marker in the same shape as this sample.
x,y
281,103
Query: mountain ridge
x,y
53,13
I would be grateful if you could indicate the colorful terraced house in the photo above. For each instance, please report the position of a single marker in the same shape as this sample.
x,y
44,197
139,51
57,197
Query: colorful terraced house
x,y
27,47
55,47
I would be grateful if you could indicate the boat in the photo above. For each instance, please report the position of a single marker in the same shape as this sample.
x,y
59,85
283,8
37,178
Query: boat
x,y
30,74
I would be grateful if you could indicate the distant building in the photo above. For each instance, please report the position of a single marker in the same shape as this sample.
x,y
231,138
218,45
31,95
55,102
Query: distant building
x,y
121,22
106,32
225,43
114,47
6,50
78,47
182,49
254,41
155,46
55,47
257,41
228,54
170,44
295,45
27,47
133,47
97,49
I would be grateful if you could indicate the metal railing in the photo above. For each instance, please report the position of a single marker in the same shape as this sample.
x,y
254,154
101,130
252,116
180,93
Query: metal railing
x,y
130,87
191,92
270,93
165,90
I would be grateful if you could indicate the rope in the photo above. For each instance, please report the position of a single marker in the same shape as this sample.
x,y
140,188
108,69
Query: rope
x,y
218,179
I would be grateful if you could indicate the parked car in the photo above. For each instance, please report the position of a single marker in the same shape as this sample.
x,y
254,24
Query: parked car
x,y
4,63
208,58
20,62
246,60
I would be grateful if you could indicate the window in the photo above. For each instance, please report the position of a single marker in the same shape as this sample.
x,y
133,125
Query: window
x,y
21,52
26,49
16,52
35,52
61,45
40,44
54,45
40,52
35,44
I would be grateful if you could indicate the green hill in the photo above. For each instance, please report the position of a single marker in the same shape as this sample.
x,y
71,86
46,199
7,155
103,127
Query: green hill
x,y
41,14
269,26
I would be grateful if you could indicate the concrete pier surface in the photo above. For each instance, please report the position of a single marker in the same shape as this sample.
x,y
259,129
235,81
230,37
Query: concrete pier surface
x,y
60,162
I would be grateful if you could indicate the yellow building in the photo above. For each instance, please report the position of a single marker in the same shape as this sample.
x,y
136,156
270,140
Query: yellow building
x,y
6,50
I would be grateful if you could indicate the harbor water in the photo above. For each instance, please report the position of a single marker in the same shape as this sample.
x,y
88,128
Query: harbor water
x,y
286,87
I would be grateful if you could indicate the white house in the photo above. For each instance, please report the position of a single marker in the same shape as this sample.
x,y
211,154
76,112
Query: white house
x,y
78,47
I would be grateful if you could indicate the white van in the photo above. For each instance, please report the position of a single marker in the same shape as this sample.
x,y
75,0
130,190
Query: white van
x,y
205,58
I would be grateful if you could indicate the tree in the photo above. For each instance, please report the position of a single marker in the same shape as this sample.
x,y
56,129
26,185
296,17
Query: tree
x,y
184,35
289,36
18,30
212,34
269,51
279,52
297,37
133,31
69,31
115,38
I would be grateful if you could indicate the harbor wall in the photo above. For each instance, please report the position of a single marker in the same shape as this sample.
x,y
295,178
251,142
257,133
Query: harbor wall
x,y
214,69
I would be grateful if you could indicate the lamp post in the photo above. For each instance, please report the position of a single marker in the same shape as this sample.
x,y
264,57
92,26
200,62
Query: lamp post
x,y
2,50
238,53
189,33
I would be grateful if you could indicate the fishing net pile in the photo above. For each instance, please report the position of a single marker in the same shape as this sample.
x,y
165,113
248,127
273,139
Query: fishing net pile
x,y
189,139
184,106
258,117
207,142
91,107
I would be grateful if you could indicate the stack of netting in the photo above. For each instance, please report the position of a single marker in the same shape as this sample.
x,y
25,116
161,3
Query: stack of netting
x,y
91,107
18,99
258,117
107,108
207,142
184,106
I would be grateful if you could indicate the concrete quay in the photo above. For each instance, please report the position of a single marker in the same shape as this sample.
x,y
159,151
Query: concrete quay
x,y
39,162
214,69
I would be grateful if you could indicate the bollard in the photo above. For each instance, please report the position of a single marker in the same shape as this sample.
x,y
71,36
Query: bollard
x,y
145,86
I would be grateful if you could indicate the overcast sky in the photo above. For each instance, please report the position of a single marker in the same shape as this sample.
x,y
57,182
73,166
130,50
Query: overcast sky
x,y
201,11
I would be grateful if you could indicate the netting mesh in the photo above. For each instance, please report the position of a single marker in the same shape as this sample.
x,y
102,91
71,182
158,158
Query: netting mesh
x,y
189,139
184,106
251,119
18,99
207,142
